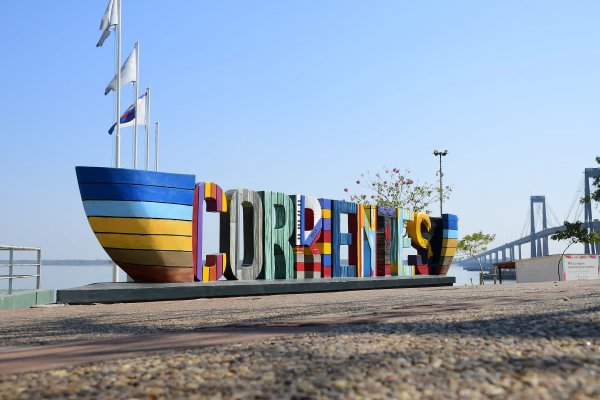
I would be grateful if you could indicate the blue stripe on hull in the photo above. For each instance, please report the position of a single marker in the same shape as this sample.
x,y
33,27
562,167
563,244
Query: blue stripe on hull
x,y
137,209
452,225
132,176
450,234
450,217
117,191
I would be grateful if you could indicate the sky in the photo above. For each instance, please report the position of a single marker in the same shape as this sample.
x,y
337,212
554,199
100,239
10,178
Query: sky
x,y
302,97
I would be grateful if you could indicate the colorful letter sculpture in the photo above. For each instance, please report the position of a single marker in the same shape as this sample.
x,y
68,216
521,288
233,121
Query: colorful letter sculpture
x,y
385,222
279,226
417,228
446,239
307,258
324,242
250,266
151,224
367,245
401,241
214,197
338,239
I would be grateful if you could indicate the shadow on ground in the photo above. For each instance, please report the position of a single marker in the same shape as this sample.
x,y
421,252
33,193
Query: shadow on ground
x,y
569,323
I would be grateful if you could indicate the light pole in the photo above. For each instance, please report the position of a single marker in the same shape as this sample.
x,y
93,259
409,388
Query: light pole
x,y
440,154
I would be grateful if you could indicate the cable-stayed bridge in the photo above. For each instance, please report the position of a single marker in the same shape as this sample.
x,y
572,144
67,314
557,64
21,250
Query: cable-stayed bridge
x,y
540,224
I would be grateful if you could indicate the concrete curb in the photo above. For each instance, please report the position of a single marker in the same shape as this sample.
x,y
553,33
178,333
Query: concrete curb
x,y
26,298
127,292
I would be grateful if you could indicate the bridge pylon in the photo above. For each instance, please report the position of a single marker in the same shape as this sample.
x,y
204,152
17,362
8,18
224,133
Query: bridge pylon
x,y
590,173
539,246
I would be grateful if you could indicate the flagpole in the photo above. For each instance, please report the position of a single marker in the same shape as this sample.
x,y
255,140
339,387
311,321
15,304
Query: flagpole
x,y
156,147
118,135
135,101
147,128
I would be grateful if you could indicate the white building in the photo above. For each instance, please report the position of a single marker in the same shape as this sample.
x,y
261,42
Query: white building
x,y
552,268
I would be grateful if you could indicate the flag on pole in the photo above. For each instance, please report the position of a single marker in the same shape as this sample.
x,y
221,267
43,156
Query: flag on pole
x,y
127,72
109,19
128,117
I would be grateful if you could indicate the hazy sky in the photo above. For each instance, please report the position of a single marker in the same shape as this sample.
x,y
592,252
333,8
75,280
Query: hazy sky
x,y
301,97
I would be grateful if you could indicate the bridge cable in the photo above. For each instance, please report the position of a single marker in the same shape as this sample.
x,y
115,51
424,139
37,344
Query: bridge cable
x,y
526,224
576,200
556,221
538,219
578,211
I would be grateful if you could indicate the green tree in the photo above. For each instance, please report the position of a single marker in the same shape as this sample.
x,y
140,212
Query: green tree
x,y
473,244
394,188
574,232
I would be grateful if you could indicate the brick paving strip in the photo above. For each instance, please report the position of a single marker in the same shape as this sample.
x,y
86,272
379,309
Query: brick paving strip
x,y
36,358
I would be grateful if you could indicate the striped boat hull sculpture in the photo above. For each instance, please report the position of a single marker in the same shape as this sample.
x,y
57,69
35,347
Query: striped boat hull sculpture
x,y
142,219
151,225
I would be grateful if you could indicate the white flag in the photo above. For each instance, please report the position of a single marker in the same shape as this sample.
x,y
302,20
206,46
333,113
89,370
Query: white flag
x,y
128,117
109,19
140,110
127,72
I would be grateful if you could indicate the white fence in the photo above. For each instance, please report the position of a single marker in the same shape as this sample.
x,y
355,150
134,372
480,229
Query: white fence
x,y
12,265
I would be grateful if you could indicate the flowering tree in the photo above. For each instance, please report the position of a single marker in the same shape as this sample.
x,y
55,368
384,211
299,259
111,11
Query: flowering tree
x,y
393,188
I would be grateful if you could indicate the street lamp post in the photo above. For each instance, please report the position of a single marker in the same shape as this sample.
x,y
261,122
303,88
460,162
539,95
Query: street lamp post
x,y
440,154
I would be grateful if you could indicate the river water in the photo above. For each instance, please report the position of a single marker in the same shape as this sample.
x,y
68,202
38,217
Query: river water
x,y
463,277
68,276
64,276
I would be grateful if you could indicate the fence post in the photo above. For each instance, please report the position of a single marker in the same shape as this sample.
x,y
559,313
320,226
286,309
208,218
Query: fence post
x,y
39,269
115,272
10,270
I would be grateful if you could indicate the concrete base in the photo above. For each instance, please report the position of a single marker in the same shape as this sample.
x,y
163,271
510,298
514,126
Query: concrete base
x,y
126,292
26,298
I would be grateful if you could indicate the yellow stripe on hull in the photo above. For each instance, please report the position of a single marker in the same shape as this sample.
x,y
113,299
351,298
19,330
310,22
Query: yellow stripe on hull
x,y
144,226
450,243
448,252
145,242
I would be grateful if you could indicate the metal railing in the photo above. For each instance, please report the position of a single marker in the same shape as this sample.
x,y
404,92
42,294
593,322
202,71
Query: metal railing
x,y
11,265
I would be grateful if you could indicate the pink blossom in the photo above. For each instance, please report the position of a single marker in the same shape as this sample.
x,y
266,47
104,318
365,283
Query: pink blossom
x,y
345,189
385,182
387,171
397,184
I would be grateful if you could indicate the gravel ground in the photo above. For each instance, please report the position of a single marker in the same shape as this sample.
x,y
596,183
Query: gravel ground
x,y
535,341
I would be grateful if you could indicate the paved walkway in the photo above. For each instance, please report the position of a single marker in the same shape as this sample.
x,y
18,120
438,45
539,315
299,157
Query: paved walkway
x,y
510,341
